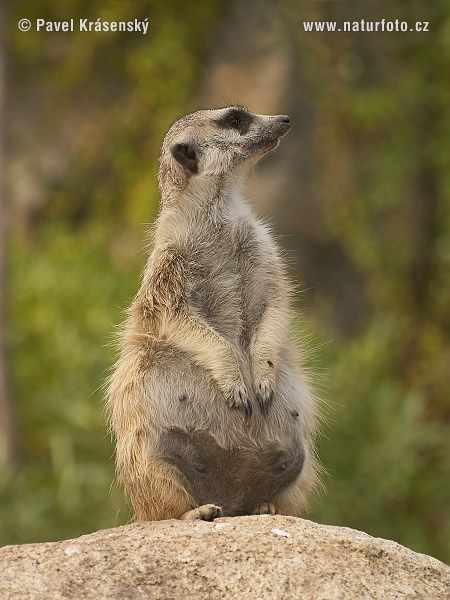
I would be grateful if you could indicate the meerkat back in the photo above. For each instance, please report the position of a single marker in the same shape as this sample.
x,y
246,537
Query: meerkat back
x,y
208,402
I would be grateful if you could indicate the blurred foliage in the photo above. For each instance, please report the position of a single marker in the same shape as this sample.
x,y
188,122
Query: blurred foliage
x,y
65,289
383,178
383,181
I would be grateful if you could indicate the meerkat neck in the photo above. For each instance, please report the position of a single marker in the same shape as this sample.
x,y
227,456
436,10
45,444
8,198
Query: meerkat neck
x,y
214,194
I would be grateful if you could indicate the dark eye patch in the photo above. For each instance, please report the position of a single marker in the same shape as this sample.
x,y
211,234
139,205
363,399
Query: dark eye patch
x,y
236,119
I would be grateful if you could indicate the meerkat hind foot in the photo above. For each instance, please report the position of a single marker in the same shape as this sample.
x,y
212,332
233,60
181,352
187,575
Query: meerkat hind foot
x,y
266,508
207,512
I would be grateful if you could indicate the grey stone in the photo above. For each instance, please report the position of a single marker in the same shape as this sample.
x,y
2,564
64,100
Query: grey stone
x,y
260,557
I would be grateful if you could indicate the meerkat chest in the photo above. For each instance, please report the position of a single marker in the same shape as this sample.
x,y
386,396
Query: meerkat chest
x,y
230,277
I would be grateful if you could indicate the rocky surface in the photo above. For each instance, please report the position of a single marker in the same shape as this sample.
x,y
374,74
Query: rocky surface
x,y
257,557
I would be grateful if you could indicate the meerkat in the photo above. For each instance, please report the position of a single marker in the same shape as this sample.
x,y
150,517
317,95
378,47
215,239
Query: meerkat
x,y
208,402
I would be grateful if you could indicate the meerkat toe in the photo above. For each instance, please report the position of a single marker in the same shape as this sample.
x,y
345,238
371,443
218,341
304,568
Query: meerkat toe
x,y
264,395
266,508
212,512
240,399
207,512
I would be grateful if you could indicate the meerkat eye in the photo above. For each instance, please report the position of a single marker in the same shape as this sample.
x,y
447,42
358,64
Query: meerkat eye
x,y
236,119
234,122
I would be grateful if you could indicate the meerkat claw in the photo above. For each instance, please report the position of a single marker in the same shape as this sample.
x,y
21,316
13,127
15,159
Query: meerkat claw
x,y
264,395
247,409
243,405
239,399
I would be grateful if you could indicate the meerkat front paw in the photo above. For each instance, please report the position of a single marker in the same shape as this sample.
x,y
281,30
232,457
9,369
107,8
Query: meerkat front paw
x,y
206,512
237,396
264,383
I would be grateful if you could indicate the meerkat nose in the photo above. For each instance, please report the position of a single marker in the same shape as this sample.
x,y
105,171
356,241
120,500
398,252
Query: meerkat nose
x,y
284,118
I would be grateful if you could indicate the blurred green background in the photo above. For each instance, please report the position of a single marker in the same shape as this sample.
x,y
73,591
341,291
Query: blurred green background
x,y
359,192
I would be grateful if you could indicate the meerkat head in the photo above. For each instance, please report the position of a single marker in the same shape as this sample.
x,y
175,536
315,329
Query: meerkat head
x,y
216,142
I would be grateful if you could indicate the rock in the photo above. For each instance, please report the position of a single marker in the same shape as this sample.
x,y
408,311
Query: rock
x,y
246,557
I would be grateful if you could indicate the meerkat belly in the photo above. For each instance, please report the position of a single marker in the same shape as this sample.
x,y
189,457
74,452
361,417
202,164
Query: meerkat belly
x,y
224,460
239,479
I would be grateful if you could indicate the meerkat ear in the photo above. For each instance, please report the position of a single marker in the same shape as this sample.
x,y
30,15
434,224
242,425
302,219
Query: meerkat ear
x,y
186,155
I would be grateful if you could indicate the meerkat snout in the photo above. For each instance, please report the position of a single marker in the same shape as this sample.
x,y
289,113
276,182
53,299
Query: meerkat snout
x,y
286,122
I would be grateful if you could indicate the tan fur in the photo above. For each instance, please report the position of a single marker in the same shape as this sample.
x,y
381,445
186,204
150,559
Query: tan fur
x,y
208,403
